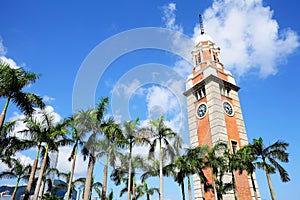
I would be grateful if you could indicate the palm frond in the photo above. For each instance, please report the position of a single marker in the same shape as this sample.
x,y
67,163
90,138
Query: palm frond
x,y
101,108
283,173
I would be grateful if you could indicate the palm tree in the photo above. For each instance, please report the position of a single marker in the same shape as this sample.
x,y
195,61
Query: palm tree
x,y
86,121
90,121
121,173
143,189
17,170
132,137
233,164
67,177
9,144
46,180
195,165
179,170
246,159
162,135
94,186
112,139
215,161
36,134
12,82
221,186
265,158
110,195
77,140
56,137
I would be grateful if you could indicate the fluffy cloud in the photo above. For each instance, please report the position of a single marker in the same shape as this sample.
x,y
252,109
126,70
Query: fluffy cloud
x,y
168,102
247,33
183,67
9,61
250,38
25,160
21,126
169,17
128,89
160,101
65,166
3,58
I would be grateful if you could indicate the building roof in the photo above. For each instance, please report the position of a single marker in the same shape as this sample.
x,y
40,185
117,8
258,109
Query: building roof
x,y
203,38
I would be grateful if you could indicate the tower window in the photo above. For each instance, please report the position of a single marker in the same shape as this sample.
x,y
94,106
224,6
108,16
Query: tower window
x,y
224,91
234,146
199,58
200,93
203,91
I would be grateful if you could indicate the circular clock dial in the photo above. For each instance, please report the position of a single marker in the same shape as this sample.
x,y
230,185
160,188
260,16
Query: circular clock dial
x,y
228,109
201,110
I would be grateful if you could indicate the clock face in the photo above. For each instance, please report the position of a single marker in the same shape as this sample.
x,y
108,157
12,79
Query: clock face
x,y
228,109
201,110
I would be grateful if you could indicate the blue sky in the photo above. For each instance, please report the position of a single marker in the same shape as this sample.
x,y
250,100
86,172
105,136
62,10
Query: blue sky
x,y
259,44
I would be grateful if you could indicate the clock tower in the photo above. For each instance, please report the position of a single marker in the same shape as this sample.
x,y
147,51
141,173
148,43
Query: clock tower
x,y
214,112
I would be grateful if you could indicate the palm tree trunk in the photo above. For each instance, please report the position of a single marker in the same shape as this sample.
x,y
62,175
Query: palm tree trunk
x,y
41,193
3,114
160,172
15,190
271,186
32,174
214,185
39,182
104,183
133,189
88,181
182,191
129,173
189,188
72,174
234,186
254,187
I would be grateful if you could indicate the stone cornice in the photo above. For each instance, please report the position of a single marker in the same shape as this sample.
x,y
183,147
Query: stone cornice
x,y
208,79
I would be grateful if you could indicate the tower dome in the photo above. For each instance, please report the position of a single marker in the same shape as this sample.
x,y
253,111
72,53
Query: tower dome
x,y
203,38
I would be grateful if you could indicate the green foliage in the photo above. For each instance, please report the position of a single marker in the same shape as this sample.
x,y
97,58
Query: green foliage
x,y
97,136
12,83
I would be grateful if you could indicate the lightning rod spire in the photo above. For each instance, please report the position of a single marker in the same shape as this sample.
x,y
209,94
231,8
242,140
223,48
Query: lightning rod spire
x,y
201,24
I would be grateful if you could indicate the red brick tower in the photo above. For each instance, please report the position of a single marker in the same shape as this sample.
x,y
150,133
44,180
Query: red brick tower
x,y
214,111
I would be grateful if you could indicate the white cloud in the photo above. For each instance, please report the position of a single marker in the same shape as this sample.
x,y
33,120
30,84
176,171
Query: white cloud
x,y
160,101
169,17
64,165
168,102
9,61
249,37
25,160
48,98
3,49
3,58
128,89
21,126
183,68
